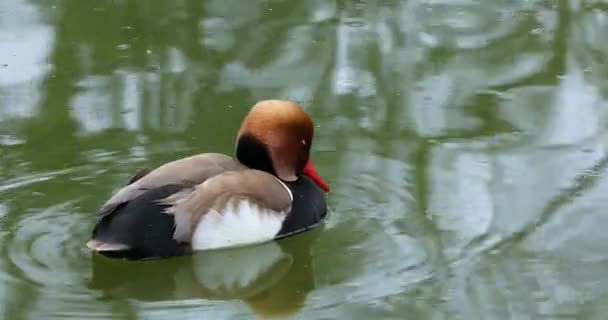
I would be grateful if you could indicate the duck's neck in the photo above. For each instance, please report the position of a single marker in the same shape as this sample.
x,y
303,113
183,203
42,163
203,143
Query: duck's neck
x,y
253,154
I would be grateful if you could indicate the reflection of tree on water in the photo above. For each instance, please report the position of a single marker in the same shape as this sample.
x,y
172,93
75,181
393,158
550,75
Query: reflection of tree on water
x,y
120,68
507,193
411,96
157,66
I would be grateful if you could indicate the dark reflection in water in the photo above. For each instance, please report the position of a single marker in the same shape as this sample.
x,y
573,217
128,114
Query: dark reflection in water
x,y
465,142
274,279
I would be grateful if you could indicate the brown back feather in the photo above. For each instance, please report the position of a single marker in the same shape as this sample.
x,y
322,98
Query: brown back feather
x,y
218,193
140,174
191,170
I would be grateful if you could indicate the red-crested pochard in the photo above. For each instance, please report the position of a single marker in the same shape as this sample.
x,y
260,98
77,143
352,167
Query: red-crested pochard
x,y
210,201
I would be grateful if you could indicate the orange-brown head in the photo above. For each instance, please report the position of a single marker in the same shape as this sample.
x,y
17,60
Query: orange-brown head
x,y
276,136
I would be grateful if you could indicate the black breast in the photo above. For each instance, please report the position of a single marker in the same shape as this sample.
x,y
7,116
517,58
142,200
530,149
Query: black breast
x,y
308,209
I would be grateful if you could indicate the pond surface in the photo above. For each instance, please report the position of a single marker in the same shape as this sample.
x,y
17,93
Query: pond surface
x,y
466,143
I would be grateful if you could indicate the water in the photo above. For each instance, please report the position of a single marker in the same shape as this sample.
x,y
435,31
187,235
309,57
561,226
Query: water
x,y
466,143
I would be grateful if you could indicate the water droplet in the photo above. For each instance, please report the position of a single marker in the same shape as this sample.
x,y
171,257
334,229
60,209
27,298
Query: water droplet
x,y
148,51
123,46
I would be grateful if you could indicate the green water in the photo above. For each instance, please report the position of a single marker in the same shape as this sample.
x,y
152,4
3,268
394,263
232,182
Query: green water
x,y
466,143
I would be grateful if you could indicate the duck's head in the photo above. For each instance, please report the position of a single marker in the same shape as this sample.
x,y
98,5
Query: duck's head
x,y
276,136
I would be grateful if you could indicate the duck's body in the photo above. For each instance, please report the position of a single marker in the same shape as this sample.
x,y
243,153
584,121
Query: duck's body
x,y
211,201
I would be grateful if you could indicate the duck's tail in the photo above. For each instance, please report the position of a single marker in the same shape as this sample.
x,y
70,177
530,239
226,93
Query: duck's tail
x,y
139,229
100,246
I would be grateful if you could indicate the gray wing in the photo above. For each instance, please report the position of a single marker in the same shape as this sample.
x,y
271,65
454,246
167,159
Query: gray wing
x,y
191,170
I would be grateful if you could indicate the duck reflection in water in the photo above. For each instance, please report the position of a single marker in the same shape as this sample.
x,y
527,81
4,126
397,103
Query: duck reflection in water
x,y
273,278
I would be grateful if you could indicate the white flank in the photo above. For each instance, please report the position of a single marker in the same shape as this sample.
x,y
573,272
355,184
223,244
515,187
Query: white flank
x,y
236,226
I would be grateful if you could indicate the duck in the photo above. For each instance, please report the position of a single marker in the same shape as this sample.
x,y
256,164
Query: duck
x,y
267,190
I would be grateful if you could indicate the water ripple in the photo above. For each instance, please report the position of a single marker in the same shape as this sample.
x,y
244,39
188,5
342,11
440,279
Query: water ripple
x,y
31,179
466,26
43,246
465,145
